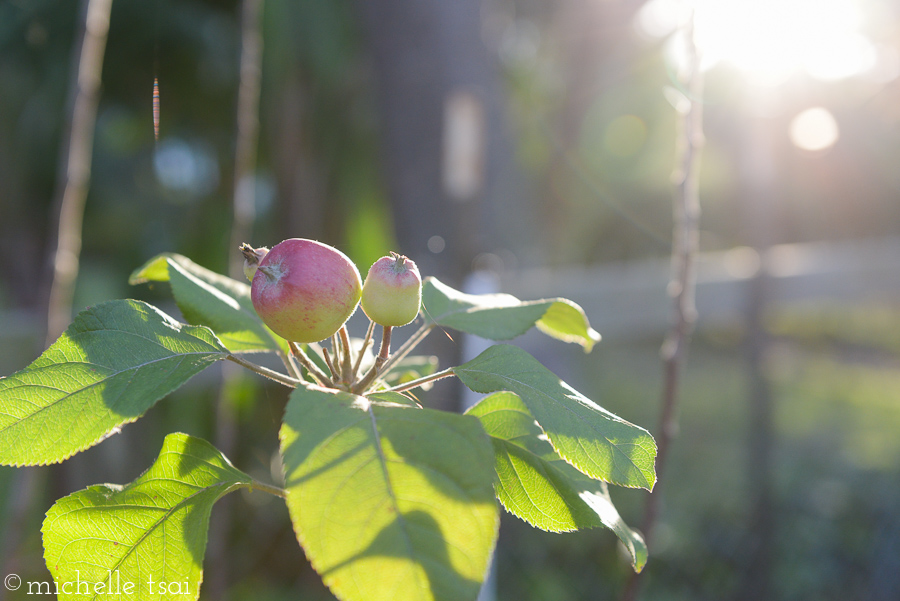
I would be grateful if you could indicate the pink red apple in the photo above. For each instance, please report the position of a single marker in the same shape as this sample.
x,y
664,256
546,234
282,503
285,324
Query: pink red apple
x,y
392,293
305,290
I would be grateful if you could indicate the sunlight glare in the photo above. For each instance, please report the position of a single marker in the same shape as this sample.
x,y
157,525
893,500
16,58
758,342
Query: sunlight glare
x,y
770,40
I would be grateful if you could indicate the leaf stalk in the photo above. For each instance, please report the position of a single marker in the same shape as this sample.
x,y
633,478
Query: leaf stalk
x,y
276,376
272,490
439,375
316,373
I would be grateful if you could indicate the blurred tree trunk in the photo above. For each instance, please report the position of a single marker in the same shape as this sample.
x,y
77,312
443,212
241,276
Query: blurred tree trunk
x,y
446,153
297,174
597,51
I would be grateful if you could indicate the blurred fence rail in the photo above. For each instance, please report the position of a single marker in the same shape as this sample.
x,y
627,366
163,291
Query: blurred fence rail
x,y
629,300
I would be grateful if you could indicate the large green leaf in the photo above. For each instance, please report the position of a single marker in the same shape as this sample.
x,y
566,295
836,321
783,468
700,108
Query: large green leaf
x,y
535,483
210,299
112,364
391,503
503,316
108,537
598,443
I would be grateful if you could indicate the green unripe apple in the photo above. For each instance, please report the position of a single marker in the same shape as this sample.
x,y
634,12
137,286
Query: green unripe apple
x,y
305,290
392,293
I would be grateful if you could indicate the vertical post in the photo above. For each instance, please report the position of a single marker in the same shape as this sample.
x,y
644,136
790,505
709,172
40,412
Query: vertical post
x,y
758,172
479,282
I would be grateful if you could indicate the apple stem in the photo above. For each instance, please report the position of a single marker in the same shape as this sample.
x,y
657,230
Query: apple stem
x,y
317,374
291,364
330,363
385,351
362,351
265,371
336,363
346,361
380,360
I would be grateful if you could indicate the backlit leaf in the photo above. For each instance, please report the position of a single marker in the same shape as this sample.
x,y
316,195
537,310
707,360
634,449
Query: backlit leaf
x,y
391,503
108,368
597,442
145,540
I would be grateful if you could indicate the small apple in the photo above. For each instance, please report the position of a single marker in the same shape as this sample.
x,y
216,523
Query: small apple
x,y
305,290
392,293
252,257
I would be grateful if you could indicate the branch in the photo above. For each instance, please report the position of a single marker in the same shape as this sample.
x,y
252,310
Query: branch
x,y
75,164
681,286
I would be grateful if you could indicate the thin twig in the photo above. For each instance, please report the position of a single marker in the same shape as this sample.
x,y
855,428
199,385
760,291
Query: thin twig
x,y
446,373
681,287
277,376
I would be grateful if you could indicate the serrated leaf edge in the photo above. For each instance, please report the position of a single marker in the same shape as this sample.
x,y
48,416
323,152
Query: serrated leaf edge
x,y
118,488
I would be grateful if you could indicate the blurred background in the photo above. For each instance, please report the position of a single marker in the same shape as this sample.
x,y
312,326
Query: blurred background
x,y
531,144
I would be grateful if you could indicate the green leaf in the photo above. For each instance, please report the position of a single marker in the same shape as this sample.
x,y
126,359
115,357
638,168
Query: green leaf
x,y
598,443
503,316
538,486
390,503
110,536
109,367
210,299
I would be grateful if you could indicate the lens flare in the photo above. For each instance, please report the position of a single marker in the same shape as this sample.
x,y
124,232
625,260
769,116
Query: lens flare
x,y
814,129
